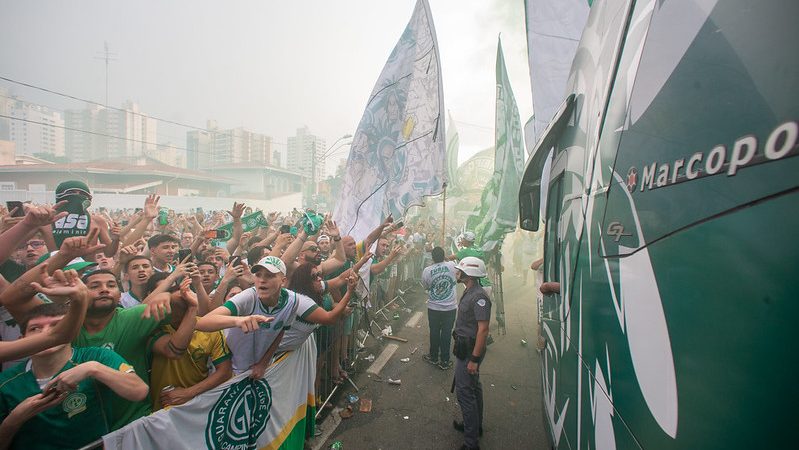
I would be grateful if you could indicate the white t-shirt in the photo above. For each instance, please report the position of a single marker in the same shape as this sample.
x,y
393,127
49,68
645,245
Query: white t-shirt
x,y
440,281
128,300
294,337
248,348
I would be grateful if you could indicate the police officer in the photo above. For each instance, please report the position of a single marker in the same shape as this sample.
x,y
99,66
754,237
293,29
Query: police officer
x,y
471,331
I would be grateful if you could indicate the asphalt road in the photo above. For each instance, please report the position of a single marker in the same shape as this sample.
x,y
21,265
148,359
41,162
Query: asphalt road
x,y
418,413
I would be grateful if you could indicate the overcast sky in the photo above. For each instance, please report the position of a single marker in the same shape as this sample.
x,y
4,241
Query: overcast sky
x,y
268,66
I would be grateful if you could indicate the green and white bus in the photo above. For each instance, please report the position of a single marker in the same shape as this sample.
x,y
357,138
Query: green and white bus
x,y
670,209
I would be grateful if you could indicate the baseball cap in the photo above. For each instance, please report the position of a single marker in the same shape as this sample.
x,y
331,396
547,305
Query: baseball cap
x,y
72,187
76,264
270,263
468,236
323,237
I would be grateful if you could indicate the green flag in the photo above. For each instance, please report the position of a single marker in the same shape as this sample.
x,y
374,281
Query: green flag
x,y
498,211
453,141
248,223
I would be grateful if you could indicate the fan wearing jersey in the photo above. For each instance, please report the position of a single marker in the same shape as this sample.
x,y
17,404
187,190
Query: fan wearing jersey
x,y
260,315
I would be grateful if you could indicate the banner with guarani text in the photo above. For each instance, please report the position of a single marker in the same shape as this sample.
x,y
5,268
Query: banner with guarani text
x,y
268,413
398,152
248,223
499,207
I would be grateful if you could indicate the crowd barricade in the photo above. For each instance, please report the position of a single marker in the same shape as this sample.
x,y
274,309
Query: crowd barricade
x,y
343,352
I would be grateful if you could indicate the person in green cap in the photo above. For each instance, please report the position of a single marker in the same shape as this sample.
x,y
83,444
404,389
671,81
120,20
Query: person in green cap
x,y
79,220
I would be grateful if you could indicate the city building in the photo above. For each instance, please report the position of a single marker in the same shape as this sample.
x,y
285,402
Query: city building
x,y
96,132
304,154
207,149
33,128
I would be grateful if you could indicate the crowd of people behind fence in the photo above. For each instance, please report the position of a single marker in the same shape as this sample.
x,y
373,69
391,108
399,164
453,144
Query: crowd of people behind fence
x,y
114,314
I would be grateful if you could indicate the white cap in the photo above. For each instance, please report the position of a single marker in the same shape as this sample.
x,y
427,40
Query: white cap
x,y
468,236
270,263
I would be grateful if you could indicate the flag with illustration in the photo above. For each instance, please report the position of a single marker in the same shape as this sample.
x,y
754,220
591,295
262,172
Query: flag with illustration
x,y
248,223
268,413
398,153
499,207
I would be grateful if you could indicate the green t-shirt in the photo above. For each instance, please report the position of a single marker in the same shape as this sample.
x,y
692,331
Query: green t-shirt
x,y
83,417
477,253
11,270
127,334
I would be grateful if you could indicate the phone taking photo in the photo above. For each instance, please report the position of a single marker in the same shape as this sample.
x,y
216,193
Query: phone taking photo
x,y
20,211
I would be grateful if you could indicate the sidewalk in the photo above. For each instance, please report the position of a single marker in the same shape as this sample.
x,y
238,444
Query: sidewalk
x,y
418,413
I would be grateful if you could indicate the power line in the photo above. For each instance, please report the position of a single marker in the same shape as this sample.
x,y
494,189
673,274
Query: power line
x,y
97,133
91,102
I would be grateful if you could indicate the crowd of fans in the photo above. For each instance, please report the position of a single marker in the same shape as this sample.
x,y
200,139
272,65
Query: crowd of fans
x,y
114,314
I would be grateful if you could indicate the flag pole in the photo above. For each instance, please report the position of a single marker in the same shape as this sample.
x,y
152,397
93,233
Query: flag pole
x,y
444,218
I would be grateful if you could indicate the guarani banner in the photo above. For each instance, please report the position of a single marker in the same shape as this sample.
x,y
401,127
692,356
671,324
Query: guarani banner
x,y
499,205
248,223
269,413
398,152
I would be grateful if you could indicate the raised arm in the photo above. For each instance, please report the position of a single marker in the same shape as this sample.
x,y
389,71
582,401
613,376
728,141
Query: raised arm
x,y
149,213
320,316
174,346
236,212
63,286
36,216
382,265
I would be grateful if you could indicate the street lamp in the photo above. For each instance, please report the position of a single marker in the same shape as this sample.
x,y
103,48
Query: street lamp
x,y
321,160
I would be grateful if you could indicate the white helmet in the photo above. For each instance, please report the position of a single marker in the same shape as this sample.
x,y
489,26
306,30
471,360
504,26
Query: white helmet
x,y
472,266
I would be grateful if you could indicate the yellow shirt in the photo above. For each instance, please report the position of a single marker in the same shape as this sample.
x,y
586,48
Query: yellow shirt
x,y
189,369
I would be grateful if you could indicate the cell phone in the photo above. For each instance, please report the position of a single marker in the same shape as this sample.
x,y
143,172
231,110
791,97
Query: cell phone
x,y
285,229
20,212
236,260
138,210
399,225
183,253
215,234
124,222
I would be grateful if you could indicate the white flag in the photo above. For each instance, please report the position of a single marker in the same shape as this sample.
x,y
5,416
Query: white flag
x,y
554,28
398,152
241,413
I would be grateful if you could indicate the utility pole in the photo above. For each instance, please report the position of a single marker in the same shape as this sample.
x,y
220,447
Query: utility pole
x,y
106,56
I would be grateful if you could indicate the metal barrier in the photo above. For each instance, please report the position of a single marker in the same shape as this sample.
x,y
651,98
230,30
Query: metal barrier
x,y
368,322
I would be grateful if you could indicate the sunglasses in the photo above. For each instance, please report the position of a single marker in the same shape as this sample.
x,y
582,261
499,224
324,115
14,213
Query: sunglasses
x,y
312,249
34,244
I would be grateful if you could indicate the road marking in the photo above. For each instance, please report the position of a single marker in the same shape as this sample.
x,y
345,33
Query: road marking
x,y
414,320
327,427
381,360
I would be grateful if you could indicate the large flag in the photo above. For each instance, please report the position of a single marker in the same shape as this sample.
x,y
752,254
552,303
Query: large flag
x,y
398,153
499,208
554,28
453,141
268,413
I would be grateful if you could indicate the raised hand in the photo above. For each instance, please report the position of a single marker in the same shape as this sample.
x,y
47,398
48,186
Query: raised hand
x,y
187,294
157,308
79,246
62,285
238,210
151,206
39,216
